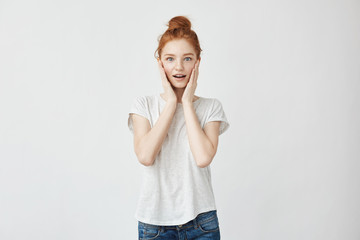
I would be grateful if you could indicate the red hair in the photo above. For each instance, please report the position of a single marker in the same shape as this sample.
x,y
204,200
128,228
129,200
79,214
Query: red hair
x,y
179,27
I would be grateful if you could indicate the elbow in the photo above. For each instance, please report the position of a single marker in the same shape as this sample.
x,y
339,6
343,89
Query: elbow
x,y
204,162
146,163
203,165
145,160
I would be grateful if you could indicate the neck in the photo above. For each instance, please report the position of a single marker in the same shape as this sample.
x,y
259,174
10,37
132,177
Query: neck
x,y
179,93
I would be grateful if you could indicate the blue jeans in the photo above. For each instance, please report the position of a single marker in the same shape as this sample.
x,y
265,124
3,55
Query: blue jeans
x,y
204,226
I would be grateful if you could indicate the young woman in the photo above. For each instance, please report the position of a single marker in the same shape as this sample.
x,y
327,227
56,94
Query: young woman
x,y
176,138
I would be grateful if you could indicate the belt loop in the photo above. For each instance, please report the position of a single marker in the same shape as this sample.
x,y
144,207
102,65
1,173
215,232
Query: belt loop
x,y
195,223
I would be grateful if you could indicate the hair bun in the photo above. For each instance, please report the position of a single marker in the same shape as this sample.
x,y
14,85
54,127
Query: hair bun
x,y
179,27
179,22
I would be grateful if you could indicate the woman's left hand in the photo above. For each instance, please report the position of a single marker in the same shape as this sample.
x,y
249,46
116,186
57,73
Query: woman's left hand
x,y
188,94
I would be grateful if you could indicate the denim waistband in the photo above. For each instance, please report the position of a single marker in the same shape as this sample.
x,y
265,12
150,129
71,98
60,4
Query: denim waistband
x,y
200,218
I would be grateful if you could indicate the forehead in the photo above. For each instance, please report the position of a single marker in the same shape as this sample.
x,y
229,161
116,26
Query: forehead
x,y
178,47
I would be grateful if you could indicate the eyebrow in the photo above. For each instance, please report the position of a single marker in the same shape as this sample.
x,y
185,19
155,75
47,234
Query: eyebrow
x,y
168,54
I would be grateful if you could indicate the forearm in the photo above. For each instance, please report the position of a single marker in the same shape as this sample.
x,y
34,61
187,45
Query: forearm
x,y
151,143
200,145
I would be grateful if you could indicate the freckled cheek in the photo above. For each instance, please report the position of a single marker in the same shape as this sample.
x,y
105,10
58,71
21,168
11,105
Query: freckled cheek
x,y
190,67
188,71
167,71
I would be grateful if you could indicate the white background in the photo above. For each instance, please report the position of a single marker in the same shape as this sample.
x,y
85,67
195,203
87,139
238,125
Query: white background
x,y
286,72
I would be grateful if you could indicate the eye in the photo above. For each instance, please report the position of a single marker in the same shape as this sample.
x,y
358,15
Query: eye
x,y
188,58
169,58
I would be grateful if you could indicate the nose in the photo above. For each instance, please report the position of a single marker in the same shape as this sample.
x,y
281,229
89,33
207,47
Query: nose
x,y
179,66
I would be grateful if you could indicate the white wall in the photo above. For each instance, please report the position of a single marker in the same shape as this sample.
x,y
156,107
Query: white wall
x,y
286,72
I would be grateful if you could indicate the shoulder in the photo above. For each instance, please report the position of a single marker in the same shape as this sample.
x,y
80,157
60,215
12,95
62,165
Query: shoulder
x,y
145,99
210,102
141,98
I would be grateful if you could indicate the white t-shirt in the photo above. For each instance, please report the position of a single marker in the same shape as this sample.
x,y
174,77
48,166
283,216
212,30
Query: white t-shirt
x,y
174,189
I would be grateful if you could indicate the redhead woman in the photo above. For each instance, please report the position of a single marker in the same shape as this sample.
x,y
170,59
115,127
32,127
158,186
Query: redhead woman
x,y
175,139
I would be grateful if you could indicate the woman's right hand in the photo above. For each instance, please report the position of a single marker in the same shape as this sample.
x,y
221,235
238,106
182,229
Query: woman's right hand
x,y
169,92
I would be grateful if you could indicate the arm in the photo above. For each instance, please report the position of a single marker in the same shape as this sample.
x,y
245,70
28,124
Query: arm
x,y
203,143
147,140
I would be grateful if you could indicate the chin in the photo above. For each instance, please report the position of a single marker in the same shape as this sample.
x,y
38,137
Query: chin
x,y
179,85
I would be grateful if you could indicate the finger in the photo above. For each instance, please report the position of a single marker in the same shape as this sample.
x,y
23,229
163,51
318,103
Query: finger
x,y
195,73
162,70
196,64
192,76
160,63
197,69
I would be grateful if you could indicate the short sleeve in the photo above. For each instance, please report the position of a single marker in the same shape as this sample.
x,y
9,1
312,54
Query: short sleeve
x,y
217,114
140,107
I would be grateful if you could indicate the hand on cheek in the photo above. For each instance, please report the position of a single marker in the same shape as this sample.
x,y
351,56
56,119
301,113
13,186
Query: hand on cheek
x,y
188,95
169,92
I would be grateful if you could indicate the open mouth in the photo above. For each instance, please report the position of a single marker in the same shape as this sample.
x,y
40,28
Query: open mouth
x,y
179,76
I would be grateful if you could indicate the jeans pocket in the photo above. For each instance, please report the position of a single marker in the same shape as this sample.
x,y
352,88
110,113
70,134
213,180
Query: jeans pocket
x,y
148,233
209,225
